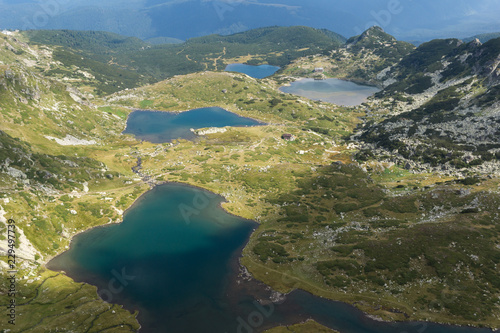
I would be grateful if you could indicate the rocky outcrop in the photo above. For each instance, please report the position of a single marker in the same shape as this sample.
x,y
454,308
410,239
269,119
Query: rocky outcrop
x,y
210,130
70,140
24,248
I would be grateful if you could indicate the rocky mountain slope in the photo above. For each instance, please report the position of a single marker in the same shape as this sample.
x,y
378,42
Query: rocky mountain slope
x,y
378,50
363,58
53,173
440,107
36,106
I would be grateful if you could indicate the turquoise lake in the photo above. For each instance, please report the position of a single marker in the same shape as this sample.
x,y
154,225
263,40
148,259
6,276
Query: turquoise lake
x,y
159,127
334,91
175,259
258,72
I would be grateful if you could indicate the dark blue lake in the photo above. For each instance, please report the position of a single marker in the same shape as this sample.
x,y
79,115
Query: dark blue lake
x,y
175,259
159,127
334,91
258,72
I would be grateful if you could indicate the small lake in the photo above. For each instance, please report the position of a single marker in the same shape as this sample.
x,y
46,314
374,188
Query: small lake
x,y
175,259
258,72
334,91
159,127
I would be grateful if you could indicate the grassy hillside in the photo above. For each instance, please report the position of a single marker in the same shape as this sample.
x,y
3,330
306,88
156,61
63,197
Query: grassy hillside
x,y
133,58
341,235
55,169
92,42
307,327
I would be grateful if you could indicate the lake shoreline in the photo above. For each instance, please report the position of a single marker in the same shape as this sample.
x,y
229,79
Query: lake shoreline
x,y
352,80
234,262
205,107
254,71
255,285
157,126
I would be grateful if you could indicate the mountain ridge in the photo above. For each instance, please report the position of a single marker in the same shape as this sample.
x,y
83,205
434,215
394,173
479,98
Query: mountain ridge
x,y
157,18
444,103
138,61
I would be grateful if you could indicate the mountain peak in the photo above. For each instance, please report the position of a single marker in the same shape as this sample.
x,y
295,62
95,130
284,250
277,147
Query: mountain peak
x,y
374,28
371,37
475,43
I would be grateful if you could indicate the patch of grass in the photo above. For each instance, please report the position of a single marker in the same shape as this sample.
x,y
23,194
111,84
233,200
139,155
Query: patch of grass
x,y
146,104
307,327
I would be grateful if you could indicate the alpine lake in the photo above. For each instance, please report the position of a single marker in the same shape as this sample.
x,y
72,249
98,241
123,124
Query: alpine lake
x,y
175,258
257,72
334,91
159,127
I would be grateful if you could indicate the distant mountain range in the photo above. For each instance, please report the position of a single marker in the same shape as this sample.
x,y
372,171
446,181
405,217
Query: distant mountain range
x,y
183,19
483,38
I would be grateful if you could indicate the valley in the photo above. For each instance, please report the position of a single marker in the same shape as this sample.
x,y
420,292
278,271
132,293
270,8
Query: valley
x,y
391,205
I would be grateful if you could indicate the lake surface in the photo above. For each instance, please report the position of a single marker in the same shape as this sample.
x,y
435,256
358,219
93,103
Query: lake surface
x,y
334,91
258,72
175,259
159,127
